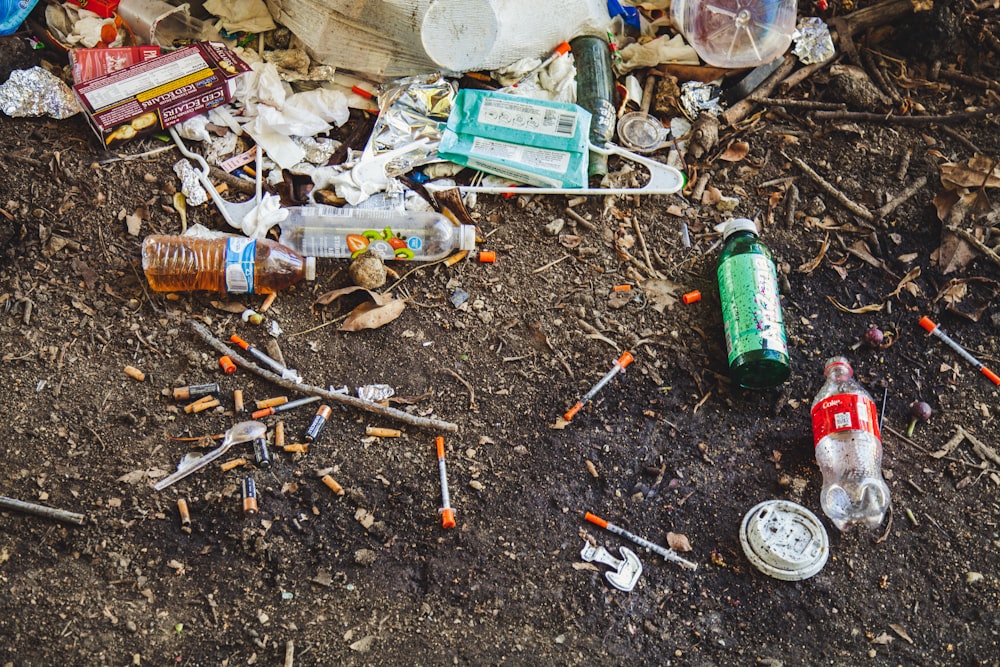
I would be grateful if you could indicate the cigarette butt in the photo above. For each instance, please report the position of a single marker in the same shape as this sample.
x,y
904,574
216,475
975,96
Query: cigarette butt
x,y
185,515
456,258
272,402
195,391
221,188
135,373
380,432
190,407
487,256
622,288
268,302
238,400
279,435
201,407
691,297
228,365
235,463
333,485
296,448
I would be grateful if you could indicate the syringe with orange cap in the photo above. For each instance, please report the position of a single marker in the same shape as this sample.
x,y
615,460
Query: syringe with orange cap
x,y
934,330
447,513
620,364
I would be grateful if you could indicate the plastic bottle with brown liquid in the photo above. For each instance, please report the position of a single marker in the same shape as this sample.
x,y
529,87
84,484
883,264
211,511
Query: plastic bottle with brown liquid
x,y
233,265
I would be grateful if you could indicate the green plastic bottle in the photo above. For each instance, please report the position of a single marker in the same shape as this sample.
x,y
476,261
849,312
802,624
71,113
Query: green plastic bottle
x,y
595,90
751,308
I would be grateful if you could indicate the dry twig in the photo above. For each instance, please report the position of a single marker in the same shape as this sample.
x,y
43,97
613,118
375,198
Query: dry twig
x,y
853,207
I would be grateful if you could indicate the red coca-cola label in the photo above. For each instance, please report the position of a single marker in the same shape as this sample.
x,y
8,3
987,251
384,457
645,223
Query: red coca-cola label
x,y
844,412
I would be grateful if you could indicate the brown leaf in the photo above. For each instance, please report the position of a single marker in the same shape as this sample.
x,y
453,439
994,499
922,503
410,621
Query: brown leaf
x,y
228,306
735,151
978,171
330,297
372,316
870,308
913,274
884,639
901,631
955,253
814,263
678,542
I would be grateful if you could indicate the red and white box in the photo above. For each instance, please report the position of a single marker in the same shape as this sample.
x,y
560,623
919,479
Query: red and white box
x,y
89,64
152,95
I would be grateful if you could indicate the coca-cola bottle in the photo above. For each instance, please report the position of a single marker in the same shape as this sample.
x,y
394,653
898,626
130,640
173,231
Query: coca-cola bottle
x,y
848,450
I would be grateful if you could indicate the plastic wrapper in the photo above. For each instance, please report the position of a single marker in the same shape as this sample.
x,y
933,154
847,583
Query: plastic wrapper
x,y
37,92
813,43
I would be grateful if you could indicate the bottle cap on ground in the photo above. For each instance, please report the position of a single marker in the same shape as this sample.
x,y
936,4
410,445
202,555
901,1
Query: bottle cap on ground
x,y
784,540
738,225
467,237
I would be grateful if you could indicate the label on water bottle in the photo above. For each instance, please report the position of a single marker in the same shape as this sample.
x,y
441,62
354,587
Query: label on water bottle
x,y
844,412
751,309
240,256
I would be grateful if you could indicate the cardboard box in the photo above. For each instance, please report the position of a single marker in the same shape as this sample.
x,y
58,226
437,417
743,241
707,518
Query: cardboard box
x,y
151,96
89,64
103,8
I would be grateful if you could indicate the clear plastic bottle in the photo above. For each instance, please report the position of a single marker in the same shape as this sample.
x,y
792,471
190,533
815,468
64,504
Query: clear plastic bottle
x,y
233,264
736,33
328,231
848,450
751,308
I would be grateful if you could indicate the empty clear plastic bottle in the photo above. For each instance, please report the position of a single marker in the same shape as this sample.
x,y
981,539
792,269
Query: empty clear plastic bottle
x,y
233,264
328,231
736,33
751,308
848,450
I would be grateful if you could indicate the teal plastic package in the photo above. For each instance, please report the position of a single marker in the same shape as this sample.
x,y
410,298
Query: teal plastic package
x,y
536,142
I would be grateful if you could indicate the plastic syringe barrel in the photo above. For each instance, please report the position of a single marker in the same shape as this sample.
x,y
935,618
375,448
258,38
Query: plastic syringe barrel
x,y
934,330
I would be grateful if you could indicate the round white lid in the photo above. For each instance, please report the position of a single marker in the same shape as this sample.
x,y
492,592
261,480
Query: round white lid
x,y
739,225
784,540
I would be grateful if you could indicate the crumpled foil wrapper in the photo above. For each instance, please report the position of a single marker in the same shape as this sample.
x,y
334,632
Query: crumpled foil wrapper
x,y
191,186
697,97
318,150
37,92
813,43
375,392
411,109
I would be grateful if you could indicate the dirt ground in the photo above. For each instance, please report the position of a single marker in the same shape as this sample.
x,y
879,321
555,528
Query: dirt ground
x,y
670,446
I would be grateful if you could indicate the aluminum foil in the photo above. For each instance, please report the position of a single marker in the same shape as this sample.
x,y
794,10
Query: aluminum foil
x,y
37,92
697,97
411,109
318,150
375,392
813,43
191,186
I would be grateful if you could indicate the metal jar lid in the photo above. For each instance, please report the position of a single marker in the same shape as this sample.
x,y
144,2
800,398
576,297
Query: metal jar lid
x,y
784,540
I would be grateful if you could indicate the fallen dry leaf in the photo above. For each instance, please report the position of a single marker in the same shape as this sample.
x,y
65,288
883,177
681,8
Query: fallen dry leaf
x,y
884,639
901,631
372,316
912,275
735,151
978,171
814,263
871,308
330,297
678,542
662,294
228,306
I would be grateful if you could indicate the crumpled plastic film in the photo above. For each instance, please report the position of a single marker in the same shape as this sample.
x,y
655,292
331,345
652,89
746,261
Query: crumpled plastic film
x,y
191,186
37,92
813,43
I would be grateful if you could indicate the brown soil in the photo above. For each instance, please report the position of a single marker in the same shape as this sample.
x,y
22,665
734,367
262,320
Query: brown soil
x,y
670,446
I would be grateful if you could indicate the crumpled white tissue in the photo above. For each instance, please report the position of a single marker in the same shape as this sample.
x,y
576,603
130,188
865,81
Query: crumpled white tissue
x,y
265,215
242,15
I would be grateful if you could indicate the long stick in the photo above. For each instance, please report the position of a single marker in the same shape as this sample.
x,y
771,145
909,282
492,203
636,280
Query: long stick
x,y
370,406
41,510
